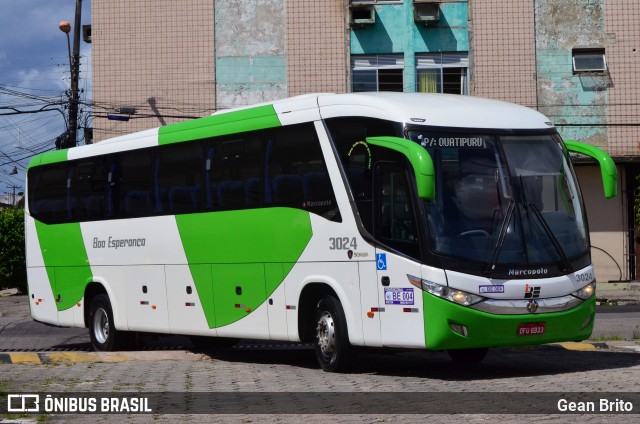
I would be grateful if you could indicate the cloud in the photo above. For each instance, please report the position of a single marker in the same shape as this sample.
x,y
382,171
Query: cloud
x,y
33,24
34,58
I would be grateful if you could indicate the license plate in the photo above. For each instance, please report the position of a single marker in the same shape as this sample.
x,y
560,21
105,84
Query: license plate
x,y
531,329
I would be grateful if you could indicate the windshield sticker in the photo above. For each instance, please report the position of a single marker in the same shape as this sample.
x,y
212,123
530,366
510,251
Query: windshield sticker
x,y
360,155
398,296
491,289
464,142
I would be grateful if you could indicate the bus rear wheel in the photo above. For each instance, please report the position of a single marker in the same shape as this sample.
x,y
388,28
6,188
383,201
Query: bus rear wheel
x,y
332,347
102,331
468,356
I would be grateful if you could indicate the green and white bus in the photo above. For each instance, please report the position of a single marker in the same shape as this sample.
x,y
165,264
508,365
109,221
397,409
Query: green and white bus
x,y
399,220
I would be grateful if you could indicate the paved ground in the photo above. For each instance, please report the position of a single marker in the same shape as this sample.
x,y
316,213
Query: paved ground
x,y
551,369
532,372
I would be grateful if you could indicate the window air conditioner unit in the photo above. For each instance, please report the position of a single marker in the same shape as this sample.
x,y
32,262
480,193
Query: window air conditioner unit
x,y
363,14
426,12
589,60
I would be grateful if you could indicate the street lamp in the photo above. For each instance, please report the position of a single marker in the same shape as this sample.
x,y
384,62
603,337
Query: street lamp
x,y
74,65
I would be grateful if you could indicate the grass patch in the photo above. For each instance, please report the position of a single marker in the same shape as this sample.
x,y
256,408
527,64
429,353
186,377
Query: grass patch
x,y
612,338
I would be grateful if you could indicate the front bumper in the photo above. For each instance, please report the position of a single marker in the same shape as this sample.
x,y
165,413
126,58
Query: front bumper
x,y
492,330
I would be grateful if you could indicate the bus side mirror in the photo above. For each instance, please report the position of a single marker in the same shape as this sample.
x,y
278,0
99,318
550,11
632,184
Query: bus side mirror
x,y
418,157
607,167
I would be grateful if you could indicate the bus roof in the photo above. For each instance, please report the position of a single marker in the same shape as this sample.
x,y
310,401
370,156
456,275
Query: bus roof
x,y
439,110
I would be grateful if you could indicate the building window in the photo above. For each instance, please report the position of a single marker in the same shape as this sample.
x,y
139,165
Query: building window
x,y
589,60
442,73
377,73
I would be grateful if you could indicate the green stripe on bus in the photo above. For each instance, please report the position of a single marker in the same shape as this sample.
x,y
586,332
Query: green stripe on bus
x,y
235,277
256,118
66,261
50,157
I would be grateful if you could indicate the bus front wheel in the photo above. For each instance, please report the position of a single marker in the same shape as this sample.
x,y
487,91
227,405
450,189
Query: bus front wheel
x,y
103,333
332,347
468,356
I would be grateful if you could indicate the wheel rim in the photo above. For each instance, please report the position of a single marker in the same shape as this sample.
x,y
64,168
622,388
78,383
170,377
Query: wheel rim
x,y
101,326
326,334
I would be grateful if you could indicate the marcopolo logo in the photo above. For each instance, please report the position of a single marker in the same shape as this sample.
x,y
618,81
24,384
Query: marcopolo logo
x,y
527,272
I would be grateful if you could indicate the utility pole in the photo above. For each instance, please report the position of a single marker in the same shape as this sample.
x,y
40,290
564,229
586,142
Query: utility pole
x,y
74,63
13,197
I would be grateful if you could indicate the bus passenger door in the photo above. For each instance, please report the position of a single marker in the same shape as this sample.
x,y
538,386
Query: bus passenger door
x,y
401,312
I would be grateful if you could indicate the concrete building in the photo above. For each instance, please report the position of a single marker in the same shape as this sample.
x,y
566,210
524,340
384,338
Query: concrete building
x,y
573,60
162,61
169,60
409,46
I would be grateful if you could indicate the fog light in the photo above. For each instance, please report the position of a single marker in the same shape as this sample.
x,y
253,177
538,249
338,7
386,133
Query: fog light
x,y
586,322
460,329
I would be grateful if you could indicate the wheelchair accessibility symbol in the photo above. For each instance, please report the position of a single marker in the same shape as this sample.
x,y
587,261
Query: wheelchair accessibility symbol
x,y
381,261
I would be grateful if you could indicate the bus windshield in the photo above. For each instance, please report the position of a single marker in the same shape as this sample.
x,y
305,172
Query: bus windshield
x,y
504,203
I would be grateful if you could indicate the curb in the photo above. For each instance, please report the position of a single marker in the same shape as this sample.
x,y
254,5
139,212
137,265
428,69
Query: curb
x,y
589,347
45,358
579,346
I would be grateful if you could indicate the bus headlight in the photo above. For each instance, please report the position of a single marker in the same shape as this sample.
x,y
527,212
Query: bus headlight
x,y
453,295
586,292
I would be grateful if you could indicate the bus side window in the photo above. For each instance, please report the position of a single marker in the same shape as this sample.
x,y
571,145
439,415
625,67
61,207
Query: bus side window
x,y
233,169
394,221
295,172
355,155
135,181
86,198
48,192
179,183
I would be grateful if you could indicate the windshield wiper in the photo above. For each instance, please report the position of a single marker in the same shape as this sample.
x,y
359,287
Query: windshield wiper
x,y
530,206
501,237
556,244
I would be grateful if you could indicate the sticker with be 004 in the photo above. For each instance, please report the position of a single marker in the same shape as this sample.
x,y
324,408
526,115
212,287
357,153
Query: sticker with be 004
x,y
398,296
491,289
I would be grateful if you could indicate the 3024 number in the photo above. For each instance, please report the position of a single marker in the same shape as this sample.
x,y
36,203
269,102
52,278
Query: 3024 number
x,y
342,243
585,277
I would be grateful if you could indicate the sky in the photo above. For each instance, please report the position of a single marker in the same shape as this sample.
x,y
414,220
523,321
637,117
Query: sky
x,y
34,73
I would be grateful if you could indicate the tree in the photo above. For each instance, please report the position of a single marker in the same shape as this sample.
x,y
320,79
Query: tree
x,y
13,271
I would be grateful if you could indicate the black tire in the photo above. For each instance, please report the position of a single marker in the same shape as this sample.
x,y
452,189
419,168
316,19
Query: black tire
x,y
103,333
468,356
212,343
332,347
